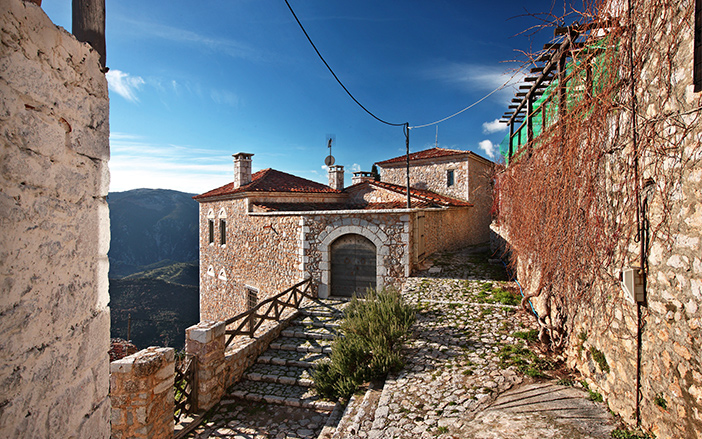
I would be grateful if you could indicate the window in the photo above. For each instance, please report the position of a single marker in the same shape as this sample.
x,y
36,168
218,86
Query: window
x,y
698,46
449,178
222,232
210,225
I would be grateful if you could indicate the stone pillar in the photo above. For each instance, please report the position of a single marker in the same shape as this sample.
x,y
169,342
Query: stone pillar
x,y
206,341
141,391
336,177
242,169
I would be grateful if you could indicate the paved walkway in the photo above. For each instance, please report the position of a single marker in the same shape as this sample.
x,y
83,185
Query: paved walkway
x,y
453,385
453,375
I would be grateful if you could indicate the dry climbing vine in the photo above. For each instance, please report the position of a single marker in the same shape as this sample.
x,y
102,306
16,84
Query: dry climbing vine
x,y
573,203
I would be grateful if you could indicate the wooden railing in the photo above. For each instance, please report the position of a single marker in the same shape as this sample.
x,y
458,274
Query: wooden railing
x,y
185,386
270,309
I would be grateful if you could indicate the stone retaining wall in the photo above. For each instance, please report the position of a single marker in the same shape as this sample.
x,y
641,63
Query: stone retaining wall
x,y
603,342
54,223
141,390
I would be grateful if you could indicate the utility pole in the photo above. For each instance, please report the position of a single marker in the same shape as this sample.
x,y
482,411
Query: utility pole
x,y
89,25
129,327
408,166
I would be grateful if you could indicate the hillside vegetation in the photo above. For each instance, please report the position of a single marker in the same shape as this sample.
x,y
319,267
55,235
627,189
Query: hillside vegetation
x,y
153,266
149,226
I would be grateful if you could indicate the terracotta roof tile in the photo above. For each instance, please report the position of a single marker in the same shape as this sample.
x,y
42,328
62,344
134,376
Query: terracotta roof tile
x,y
270,180
302,207
426,154
422,194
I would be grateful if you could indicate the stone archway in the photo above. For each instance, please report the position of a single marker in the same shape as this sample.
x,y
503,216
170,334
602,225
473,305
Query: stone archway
x,y
353,265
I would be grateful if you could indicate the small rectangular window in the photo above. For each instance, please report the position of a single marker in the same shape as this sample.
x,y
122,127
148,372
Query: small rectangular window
x,y
697,70
210,225
222,232
449,178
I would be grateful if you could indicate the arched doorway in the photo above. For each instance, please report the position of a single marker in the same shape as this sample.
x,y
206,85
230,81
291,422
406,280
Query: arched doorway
x,y
353,265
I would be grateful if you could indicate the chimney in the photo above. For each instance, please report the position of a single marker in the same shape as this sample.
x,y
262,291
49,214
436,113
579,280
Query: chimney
x,y
362,176
336,177
242,169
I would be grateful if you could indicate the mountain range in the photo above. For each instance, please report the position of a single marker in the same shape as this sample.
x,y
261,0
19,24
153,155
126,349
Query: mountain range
x,y
149,226
154,280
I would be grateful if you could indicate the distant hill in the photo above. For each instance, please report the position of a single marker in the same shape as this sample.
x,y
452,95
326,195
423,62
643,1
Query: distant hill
x,y
182,273
151,226
153,266
160,311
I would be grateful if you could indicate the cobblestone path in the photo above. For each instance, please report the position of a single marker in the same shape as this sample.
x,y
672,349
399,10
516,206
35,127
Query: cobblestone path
x,y
453,372
452,375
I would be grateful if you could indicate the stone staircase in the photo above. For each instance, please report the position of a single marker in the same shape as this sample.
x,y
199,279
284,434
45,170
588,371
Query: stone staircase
x,y
283,374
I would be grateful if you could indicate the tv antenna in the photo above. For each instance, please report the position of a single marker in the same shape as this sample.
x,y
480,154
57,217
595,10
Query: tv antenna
x,y
329,160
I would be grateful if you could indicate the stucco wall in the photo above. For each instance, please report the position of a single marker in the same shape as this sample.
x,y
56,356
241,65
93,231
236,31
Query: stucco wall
x,y
55,325
450,229
261,252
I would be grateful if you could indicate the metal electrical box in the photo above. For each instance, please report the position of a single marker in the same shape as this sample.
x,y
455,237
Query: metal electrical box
x,y
632,284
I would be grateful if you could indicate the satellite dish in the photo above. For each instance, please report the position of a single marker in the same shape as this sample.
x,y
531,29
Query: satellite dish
x,y
329,161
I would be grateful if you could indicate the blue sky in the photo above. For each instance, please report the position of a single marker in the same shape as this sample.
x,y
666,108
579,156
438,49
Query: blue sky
x,y
193,82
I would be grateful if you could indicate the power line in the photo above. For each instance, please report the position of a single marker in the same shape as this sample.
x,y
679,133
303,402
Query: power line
x,y
469,106
334,74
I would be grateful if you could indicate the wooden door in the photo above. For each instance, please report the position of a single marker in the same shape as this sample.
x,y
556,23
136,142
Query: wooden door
x,y
353,265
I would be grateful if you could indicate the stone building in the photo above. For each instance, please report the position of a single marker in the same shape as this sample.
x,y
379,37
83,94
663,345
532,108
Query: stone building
x,y
54,223
266,231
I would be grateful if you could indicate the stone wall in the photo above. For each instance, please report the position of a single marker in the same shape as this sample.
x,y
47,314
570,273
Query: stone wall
x,y
141,390
262,252
431,175
388,230
671,318
55,324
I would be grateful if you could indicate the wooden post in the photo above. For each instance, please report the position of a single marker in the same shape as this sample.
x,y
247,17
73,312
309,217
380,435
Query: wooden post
x,y
530,122
409,203
89,25
511,139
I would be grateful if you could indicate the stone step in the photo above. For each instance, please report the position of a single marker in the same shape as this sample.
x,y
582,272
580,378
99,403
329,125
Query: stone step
x,y
302,344
290,375
324,307
332,322
309,331
279,357
276,393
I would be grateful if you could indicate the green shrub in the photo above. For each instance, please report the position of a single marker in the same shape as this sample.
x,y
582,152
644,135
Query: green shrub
x,y
531,336
374,329
660,401
524,360
620,433
600,359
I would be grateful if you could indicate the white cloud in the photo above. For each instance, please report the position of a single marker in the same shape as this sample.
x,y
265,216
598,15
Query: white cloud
x,y
135,163
325,167
355,167
494,127
124,84
225,97
473,77
489,148
233,48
